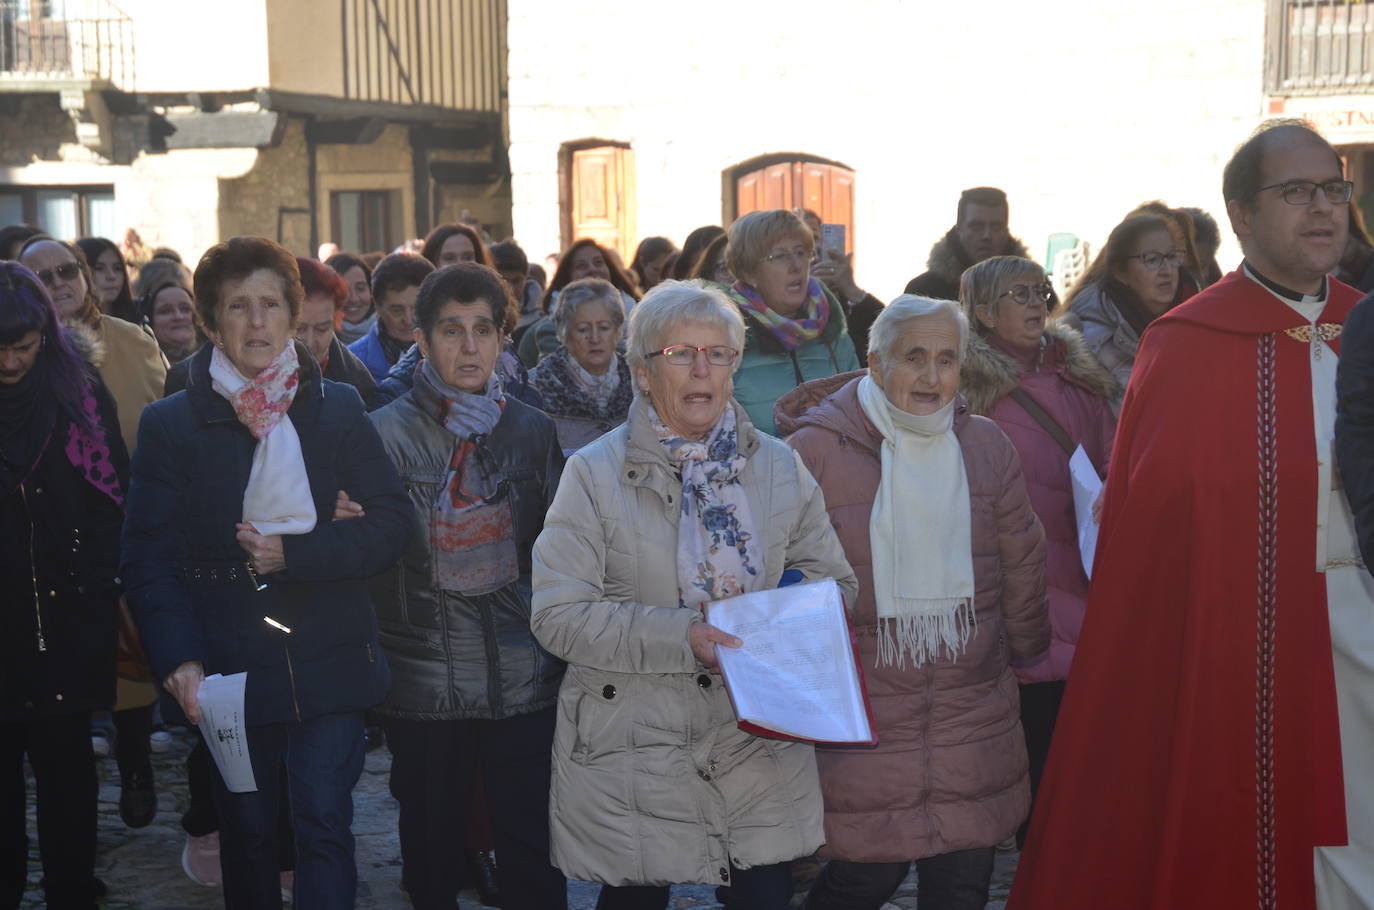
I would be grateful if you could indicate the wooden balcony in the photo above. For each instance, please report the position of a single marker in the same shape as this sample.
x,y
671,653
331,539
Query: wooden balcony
x,y
442,53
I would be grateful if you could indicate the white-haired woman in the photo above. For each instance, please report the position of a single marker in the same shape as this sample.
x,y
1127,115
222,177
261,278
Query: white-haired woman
x,y
684,504
585,384
930,505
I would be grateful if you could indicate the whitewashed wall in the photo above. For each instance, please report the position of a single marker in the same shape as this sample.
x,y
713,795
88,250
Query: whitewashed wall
x,y
1079,109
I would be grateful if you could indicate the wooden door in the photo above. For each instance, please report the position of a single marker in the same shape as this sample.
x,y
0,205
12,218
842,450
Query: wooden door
x,y
602,197
826,189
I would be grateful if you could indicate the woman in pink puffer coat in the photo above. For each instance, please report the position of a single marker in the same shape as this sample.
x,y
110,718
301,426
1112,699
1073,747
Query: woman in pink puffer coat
x,y
1017,362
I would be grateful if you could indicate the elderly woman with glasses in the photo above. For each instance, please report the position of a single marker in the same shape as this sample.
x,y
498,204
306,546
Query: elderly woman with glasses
x,y
1050,395
797,329
585,385
930,504
684,504
132,366
1133,280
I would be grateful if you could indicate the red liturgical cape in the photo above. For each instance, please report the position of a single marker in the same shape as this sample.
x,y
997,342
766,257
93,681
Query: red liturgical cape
x,y
1197,757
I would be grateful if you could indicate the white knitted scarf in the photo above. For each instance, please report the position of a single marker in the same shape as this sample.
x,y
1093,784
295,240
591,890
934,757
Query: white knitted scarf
x,y
920,534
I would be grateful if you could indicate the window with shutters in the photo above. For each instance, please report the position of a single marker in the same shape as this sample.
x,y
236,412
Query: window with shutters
x,y
1319,46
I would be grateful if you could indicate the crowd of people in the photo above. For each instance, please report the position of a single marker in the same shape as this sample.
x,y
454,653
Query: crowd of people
x,y
434,500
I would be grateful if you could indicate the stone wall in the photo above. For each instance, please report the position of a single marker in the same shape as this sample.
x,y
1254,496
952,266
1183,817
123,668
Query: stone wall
x,y
272,199
33,127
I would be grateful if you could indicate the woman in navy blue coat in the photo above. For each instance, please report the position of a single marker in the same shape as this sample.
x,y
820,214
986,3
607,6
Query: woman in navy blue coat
x,y
233,564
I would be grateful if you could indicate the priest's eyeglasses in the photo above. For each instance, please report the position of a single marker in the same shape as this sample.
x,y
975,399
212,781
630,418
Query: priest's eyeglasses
x,y
1024,293
683,355
1302,192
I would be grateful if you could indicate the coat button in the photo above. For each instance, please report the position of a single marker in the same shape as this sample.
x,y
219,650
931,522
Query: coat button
x,y
59,696
724,874
608,691
632,475
703,775
52,593
704,681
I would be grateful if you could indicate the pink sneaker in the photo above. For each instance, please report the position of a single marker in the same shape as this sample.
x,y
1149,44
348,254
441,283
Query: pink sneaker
x,y
200,859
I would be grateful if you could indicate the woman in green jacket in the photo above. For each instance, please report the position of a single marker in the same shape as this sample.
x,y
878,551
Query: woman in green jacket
x,y
796,327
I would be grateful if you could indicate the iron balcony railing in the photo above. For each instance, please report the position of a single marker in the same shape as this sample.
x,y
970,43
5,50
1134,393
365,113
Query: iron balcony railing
x,y
1318,47
66,39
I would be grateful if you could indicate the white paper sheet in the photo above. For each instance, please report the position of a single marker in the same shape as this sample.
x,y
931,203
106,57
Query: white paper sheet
x,y
222,725
795,673
1087,486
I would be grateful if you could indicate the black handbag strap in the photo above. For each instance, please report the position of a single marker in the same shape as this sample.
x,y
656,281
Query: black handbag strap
x,y
1043,418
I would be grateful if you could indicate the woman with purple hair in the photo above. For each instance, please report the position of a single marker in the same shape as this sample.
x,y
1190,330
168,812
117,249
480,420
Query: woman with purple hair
x,y
63,470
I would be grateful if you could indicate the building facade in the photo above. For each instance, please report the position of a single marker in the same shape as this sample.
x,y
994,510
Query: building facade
x,y
878,112
361,122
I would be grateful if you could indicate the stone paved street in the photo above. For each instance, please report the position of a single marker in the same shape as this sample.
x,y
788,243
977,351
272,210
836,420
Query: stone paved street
x,y
142,869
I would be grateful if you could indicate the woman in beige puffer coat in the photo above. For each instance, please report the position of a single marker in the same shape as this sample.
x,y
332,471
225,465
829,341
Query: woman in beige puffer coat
x,y
654,783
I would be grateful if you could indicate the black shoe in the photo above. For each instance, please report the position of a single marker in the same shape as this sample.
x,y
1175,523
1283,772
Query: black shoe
x,y
481,871
138,799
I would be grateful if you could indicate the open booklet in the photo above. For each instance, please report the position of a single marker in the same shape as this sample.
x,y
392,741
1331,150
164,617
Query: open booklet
x,y
796,675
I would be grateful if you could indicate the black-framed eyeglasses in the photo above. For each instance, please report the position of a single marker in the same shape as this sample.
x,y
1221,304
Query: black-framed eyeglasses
x,y
1302,192
66,272
683,355
1022,294
1154,260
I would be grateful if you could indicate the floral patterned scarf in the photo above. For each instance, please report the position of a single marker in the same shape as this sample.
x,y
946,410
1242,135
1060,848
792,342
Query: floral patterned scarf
x,y
472,529
790,333
717,554
277,499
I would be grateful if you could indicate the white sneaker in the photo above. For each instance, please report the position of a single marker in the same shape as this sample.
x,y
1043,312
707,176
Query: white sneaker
x,y
200,859
160,741
100,745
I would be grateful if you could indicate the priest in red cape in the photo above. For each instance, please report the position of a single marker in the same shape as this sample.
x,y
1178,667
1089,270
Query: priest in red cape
x,y
1198,760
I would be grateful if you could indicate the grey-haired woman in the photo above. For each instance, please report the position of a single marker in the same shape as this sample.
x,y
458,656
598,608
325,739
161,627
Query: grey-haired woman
x,y
585,385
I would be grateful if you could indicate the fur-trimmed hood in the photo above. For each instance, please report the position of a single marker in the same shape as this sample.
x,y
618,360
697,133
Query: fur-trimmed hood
x,y
86,342
948,259
988,375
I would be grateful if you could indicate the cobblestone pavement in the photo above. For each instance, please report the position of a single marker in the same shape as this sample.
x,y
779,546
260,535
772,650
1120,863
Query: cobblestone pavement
x,y
142,869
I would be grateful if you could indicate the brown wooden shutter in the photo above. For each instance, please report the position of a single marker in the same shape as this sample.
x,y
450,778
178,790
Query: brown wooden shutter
x,y
826,189
603,197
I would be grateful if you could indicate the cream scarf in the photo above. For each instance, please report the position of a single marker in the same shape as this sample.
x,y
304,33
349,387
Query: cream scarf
x,y
277,499
920,534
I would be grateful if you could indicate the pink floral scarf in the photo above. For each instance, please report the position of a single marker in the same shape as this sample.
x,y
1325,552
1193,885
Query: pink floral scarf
x,y
263,401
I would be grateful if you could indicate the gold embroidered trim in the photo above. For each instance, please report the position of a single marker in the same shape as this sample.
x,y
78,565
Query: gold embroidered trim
x,y
1327,330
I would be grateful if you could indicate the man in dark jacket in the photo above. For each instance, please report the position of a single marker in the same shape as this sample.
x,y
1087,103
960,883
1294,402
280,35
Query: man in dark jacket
x,y
470,685
980,232
1355,421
